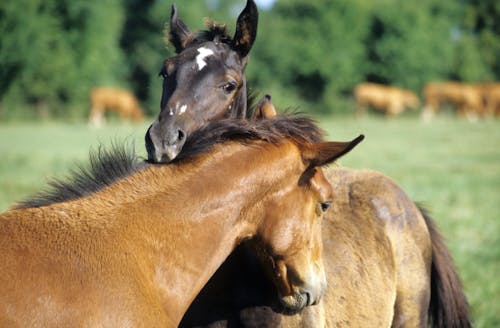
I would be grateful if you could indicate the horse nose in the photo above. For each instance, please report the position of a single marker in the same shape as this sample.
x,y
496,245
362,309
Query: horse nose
x,y
171,146
162,145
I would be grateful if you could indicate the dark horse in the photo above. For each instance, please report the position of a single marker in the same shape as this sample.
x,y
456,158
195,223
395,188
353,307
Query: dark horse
x,y
131,245
203,82
386,264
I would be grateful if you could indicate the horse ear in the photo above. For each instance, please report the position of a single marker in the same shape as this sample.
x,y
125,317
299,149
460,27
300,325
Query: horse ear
x,y
179,34
246,29
264,109
324,153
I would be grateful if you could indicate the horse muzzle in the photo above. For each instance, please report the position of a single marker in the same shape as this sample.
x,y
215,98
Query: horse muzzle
x,y
163,146
304,292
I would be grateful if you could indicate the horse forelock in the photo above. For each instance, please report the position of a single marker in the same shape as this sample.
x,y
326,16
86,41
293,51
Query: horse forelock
x,y
215,32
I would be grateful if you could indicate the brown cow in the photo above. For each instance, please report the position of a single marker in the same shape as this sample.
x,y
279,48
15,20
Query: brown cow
x,y
491,96
388,99
465,97
123,102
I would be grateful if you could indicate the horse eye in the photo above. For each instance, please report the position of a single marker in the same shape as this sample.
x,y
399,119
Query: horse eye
x,y
229,87
325,205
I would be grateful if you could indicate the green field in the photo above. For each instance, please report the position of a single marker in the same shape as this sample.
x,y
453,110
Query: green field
x,y
451,166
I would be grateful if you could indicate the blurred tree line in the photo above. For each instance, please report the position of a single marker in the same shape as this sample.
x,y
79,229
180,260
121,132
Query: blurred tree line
x,y
307,53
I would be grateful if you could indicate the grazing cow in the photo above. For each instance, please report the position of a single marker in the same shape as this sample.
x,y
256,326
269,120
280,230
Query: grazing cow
x,y
121,101
491,97
387,99
465,97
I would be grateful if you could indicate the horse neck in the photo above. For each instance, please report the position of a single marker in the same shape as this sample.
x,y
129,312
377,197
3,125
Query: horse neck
x,y
196,214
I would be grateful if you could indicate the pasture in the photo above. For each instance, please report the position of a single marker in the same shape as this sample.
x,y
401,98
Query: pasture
x,y
449,165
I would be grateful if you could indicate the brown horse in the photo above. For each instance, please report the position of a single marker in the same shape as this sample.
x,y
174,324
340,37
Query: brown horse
x,y
135,248
123,102
244,297
386,265
390,100
203,82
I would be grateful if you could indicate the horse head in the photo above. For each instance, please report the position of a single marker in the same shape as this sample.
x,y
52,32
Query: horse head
x,y
203,82
291,248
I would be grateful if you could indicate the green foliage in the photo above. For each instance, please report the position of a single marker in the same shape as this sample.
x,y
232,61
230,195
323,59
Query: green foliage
x,y
310,47
410,42
307,54
53,51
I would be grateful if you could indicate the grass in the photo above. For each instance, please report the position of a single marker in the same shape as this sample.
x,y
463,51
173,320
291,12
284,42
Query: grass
x,y
450,165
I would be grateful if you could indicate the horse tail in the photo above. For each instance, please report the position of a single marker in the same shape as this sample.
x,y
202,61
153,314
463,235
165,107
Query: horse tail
x,y
448,304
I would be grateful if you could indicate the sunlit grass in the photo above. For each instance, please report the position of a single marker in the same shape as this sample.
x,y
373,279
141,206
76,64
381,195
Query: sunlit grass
x,y
450,165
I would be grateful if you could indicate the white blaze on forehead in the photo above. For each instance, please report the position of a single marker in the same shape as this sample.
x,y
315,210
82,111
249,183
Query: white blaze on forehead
x,y
200,59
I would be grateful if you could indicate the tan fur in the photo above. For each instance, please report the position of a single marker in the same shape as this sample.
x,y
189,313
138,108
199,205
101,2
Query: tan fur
x,y
465,97
121,101
390,100
376,254
136,253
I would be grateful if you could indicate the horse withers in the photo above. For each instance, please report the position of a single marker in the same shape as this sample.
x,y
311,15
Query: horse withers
x,y
129,244
204,82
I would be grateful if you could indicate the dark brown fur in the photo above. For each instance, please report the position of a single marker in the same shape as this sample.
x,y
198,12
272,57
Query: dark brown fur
x,y
203,82
448,305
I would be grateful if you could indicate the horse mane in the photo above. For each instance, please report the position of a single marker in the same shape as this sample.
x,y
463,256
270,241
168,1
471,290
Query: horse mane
x,y
107,166
299,128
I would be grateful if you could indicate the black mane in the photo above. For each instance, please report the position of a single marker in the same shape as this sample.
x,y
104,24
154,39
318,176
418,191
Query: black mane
x,y
301,129
105,168
109,166
215,32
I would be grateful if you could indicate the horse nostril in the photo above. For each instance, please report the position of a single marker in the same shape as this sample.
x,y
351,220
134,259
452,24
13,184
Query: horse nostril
x,y
181,135
308,299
